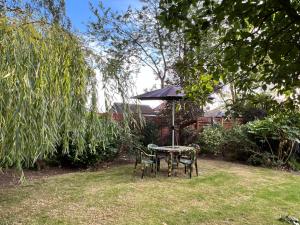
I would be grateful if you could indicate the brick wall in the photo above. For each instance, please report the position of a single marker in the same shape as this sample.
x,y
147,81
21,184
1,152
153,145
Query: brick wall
x,y
198,125
117,116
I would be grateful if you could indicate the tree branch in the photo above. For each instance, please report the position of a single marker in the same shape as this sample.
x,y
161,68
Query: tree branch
x,y
290,11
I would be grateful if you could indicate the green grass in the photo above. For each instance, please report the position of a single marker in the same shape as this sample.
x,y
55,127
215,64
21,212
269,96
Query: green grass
x,y
224,193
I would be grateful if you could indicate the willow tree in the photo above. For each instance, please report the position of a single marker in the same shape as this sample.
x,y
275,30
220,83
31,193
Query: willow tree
x,y
44,81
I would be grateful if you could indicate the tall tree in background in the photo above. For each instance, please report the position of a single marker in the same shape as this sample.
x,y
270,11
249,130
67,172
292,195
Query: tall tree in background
x,y
50,11
136,38
259,40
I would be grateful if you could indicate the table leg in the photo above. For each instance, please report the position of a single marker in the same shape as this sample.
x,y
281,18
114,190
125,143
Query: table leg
x,y
170,169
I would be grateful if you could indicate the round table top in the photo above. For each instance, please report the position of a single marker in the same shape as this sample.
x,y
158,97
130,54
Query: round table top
x,y
176,148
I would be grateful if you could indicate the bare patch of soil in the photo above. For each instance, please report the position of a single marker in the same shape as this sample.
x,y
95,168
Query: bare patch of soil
x,y
11,177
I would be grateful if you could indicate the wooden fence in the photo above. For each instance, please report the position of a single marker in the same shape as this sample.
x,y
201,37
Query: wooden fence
x,y
206,121
196,125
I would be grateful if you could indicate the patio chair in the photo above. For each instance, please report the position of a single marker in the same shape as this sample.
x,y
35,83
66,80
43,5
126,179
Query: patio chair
x,y
159,156
146,159
188,159
138,159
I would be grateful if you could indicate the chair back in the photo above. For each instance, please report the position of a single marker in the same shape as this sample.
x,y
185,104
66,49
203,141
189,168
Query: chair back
x,y
196,146
196,151
192,155
150,147
141,154
146,155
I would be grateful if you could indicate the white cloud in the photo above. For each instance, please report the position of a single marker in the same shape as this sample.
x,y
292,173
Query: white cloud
x,y
143,81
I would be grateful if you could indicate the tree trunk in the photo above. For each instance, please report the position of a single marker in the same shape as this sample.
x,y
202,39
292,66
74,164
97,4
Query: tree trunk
x,y
162,82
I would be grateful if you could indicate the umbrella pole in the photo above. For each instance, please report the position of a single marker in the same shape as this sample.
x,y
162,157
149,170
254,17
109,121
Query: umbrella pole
x,y
173,123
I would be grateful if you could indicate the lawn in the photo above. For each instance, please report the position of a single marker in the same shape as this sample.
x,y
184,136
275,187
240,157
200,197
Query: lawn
x,y
224,193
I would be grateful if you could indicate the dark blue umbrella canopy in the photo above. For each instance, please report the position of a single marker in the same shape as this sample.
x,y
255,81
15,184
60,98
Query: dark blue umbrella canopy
x,y
167,93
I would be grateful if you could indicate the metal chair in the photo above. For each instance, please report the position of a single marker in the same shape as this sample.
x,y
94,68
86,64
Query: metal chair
x,y
190,158
159,156
146,160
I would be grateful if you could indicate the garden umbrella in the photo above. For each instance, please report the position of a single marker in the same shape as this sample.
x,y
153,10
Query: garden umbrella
x,y
172,93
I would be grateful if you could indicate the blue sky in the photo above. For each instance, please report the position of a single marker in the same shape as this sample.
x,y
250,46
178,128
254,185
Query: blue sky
x,y
79,12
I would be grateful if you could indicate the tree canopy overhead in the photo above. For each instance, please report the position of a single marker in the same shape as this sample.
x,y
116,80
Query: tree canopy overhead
x,y
136,37
259,41
50,11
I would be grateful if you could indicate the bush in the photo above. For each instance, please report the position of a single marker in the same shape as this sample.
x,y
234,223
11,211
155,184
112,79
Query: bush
x,y
232,144
188,136
253,106
104,147
272,142
212,139
294,163
237,145
87,158
149,133
262,159
277,135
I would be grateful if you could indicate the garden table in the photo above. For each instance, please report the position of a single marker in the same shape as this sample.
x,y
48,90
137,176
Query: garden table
x,y
171,151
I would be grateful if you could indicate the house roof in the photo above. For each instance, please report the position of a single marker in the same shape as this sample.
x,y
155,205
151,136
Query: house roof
x,y
160,107
217,112
135,108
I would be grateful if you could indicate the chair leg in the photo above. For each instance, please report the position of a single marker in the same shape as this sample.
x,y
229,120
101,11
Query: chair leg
x,y
196,166
135,164
158,164
184,169
169,166
143,171
191,170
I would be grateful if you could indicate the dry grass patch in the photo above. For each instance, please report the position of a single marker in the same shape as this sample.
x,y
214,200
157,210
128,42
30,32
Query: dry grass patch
x,y
224,193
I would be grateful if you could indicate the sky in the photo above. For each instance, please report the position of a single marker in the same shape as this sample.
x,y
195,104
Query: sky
x,y
79,13
79,10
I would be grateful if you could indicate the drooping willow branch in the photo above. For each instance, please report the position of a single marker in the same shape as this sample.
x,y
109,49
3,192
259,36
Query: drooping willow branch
x,y
44,80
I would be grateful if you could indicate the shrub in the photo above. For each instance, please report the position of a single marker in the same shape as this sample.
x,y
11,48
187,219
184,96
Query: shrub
x,y
237,145
232,144
272,142
149,133
262,159
212,139
101,144
188,136
278,135
87,158
294,163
